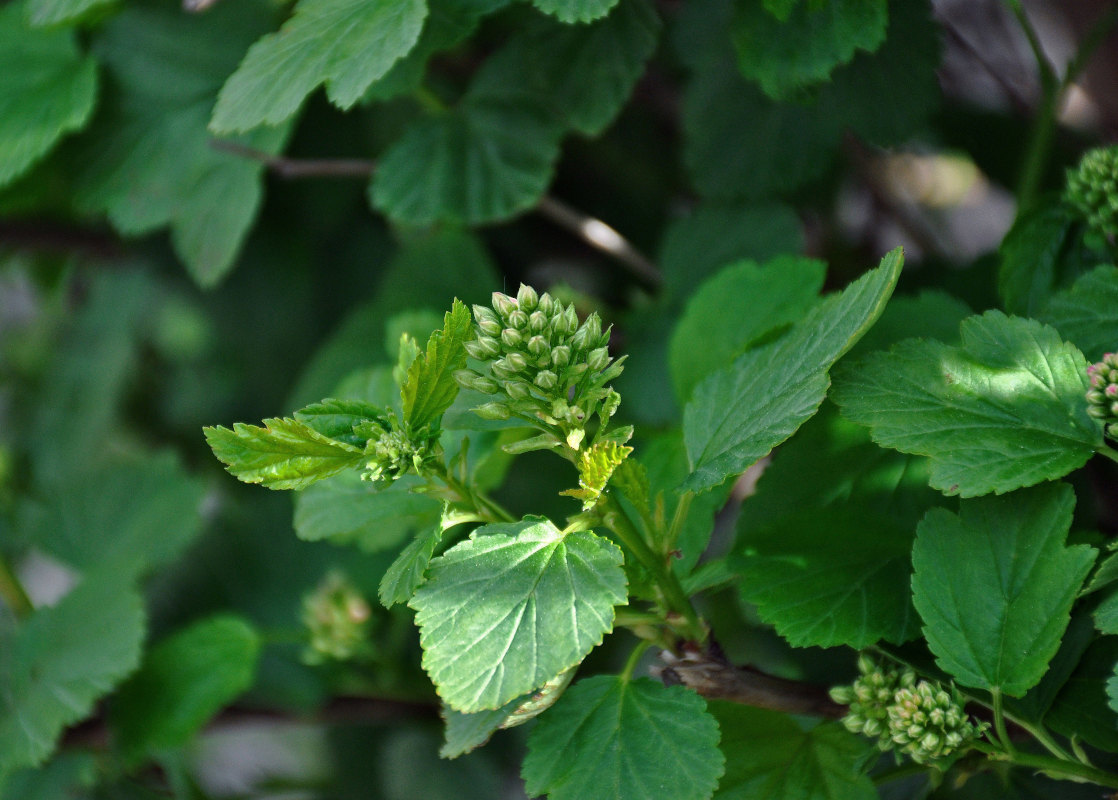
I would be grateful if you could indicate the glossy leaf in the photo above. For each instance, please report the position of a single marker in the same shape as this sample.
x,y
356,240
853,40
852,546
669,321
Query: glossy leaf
x,y
513,606
430,388
1086,314
995,583
738,414
284,454
613,739
1003,410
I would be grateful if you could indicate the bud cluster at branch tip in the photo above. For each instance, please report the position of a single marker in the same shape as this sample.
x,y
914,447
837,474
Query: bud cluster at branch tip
x,y
1092,190
337,618
916,717
394,452
1102,397
542,364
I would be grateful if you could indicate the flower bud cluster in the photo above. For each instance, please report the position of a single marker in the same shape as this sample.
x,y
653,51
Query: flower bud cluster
x,y
1102,397
917,717
1092,190
542,363
392,452
337,617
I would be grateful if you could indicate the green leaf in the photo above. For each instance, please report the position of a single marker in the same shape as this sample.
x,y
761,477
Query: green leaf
x,y
335,419
994,585
47,89
50,13
1106,614
345,44
1031,258
784,56
1082,709
737,415
571,11
66,775
613,739
466,732
735,308
484,161
184,680
770,757
408,571
152,162
1003,410
780,9
1112,690
347,510
55,666
931,314
128,516
583,74
284,454
1087,313
430,389
513,606
831,579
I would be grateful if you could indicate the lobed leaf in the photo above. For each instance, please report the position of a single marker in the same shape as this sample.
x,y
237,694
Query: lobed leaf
x,y
1086,314
335,419
616,739
408,571
430,388
995,584
510,608
738,414
284,454
1004,409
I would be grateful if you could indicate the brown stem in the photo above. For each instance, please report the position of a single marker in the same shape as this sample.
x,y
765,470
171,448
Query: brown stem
x,y
711,675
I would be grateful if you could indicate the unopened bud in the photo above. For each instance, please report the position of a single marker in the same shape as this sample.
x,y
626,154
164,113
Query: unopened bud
x,y
537,321
517,390
483,314
518,319
560,356
546,379
538,346
511,337
484,348
493,411
527,298
503,304
598,359
546,304
516,362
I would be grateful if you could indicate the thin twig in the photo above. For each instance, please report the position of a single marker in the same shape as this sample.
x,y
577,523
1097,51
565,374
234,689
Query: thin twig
x,y
294,168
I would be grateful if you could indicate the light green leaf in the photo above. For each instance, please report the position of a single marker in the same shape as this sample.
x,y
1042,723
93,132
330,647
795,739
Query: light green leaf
x,y
127,516
184,680
571,11
482,162
995,584
1087,313
373,516
1003,410
47,89
408,571
1106,614
772,757
160,167
466,732
583,74
335,419
802,49
510,608
346,44
284,454
430,389
55,666
612,739
737,415
831,579
1081,708
735,308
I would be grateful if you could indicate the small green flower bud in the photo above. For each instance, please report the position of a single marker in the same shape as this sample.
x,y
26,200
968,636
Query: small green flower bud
x,y
581,339
576,372
1102,397
1092,190
603,340
560,356
546,379
537,321
468,379
517,390
502,370
483,315
484,348
516,362
538,346
527,298
493,411
511,337
337,618
570,320
490,327
518,319
598,359
503,304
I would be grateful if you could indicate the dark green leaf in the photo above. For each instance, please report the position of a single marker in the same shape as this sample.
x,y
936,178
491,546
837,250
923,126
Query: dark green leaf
x,y
335,419
1031,255
735,308
430,388
47,89
828,579
184,680
513,606
345,44
571,11
613,739
409,569
1004,409
284,454
1082,709
64,776
771,757
1106,614
802,49
56,665
737,415
1087,313
466,732
1112,690
995,584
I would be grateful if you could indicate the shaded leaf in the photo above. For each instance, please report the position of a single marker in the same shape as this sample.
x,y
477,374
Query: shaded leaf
x,y
575,10
1082,708
408,571
1086,314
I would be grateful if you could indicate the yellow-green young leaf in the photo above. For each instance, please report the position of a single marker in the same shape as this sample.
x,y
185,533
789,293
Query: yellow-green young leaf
x,y
613,739
771,757
510,608
1004,409
346,44
595,467
572,11
430,389
738,414
284,454
1086,314
57,664
47,89
994,585
800,49
184,680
